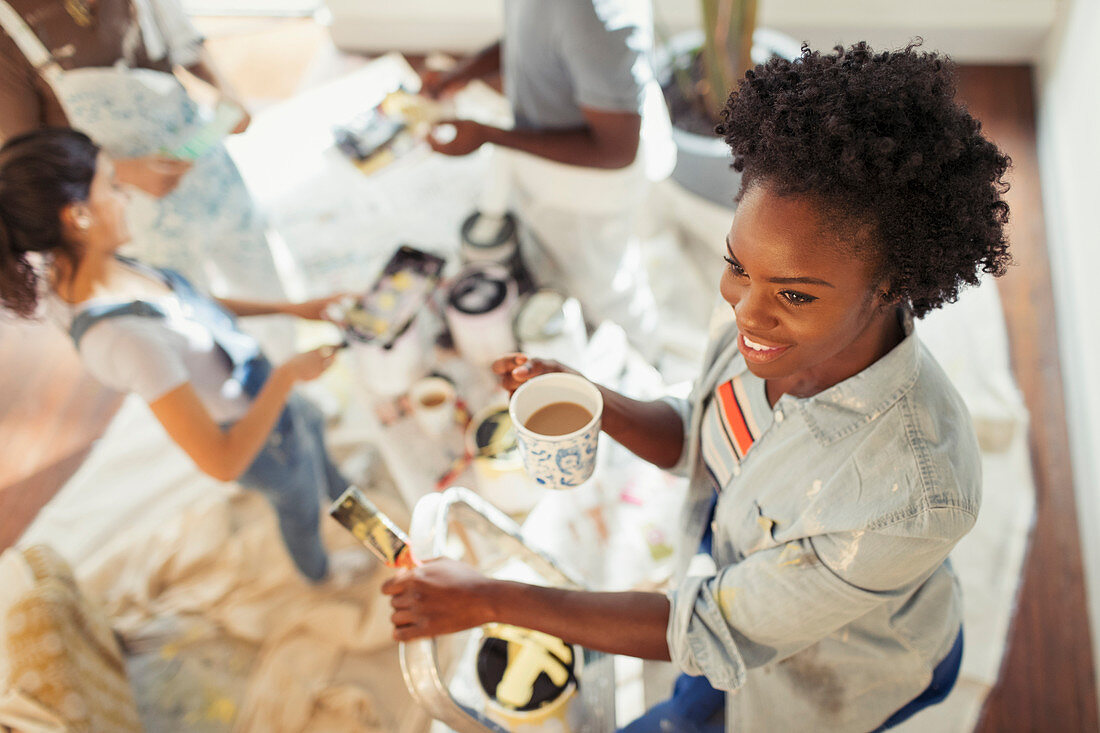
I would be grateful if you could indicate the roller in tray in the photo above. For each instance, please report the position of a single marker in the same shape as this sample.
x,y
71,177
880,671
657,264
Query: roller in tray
x,y
386,311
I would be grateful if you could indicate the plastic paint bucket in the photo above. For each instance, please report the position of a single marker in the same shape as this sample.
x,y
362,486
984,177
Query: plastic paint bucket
x,y
497,465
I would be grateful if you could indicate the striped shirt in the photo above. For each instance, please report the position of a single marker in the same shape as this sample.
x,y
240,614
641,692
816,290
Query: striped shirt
x,y
736,415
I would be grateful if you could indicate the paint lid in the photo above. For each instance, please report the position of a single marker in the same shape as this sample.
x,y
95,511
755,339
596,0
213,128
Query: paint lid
x,y
487,236
541,317
479,289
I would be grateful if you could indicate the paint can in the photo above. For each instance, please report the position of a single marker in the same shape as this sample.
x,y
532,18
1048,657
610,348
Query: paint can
x,y
554,717
529,679
480,305
490,237
497,464
549,325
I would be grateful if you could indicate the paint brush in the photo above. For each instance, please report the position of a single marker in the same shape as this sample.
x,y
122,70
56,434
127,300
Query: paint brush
x,y
373,528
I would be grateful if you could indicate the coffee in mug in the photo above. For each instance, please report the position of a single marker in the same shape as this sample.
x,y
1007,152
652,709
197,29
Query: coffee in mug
x,y
558,418
432,399
433,405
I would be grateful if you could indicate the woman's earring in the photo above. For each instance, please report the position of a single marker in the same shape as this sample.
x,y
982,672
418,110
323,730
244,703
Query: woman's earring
x,y
83,221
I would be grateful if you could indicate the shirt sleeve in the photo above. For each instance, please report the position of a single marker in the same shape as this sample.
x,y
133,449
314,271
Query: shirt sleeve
x,y
604,58
133,356
181,37
781,600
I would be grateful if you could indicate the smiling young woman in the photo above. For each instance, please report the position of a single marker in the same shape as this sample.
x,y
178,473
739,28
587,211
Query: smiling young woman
x,y
833,466
810,314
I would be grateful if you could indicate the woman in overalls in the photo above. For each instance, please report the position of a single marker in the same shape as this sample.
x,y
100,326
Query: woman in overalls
x,y
146,330
833,466
110,69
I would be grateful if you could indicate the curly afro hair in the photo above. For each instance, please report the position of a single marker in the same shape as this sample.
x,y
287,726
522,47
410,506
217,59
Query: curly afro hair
x,y
879,139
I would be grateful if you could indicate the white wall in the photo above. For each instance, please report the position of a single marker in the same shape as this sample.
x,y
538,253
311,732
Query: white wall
x,y
972,31
1069,163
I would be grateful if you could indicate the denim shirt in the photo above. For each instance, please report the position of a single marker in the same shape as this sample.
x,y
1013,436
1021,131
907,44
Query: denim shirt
x,y
833,599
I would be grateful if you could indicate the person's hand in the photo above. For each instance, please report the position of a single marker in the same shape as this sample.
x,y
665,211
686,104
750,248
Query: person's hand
x,y
468,136
514,369
246,120
308,365
441,596
228,101
318,308
436,84
156,175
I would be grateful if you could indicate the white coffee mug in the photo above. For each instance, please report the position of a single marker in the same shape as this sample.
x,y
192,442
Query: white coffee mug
x,y
557,461
433,404
480,306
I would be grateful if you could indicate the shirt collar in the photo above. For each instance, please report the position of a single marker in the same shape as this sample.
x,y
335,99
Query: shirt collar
x,y
845,407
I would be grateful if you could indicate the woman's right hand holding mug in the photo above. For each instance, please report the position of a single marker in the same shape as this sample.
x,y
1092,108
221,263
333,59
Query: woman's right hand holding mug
x,y
514,369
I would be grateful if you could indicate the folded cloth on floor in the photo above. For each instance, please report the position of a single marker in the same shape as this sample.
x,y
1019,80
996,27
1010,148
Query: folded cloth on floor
x,y
64,667
221,633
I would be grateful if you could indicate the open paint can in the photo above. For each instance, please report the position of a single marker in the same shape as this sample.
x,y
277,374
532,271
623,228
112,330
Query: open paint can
x,y
489,237
480,305
548,325
497,465
529,679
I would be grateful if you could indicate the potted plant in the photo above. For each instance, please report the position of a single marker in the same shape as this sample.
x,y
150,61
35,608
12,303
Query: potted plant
x,y
698,69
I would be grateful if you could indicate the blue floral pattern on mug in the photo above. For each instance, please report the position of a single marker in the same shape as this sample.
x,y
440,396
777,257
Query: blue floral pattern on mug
x,y
560,464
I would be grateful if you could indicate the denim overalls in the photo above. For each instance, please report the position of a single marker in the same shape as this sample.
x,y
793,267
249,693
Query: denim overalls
x,y
293,466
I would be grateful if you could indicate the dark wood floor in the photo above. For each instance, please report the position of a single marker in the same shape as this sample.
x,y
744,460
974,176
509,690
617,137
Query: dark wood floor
x,y
50,412
1047,681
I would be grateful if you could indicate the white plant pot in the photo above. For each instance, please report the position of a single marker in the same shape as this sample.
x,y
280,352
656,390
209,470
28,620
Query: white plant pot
x,y
703,161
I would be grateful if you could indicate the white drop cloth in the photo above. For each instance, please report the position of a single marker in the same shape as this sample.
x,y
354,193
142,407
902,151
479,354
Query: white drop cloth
x,y
194,572
189,567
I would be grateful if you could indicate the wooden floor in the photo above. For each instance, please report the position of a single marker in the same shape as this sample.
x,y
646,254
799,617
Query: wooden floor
x,y
1048,677
51,412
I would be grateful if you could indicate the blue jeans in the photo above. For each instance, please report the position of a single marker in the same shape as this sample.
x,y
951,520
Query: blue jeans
x,y
943,680
696,707
293,470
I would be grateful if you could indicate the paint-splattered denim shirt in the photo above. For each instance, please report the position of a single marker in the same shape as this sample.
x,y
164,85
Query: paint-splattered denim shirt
x,y
833,599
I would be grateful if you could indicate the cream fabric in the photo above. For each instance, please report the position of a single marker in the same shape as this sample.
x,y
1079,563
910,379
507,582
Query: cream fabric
x,y
183,565
16,579
65,667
